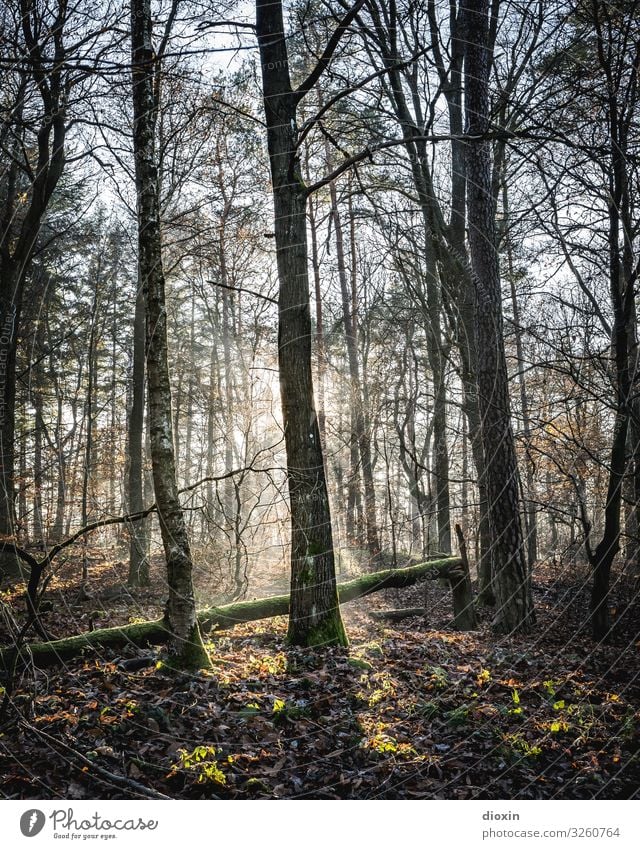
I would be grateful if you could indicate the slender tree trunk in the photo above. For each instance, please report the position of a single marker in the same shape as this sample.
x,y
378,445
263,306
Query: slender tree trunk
x,y
191,388
510,573
531,517
185,647
314,614
632,519
138,531
428,291
57,529
38,524
623,347
9,318
211,420
359,433
18,235
321,355
88,417
227,331
23,519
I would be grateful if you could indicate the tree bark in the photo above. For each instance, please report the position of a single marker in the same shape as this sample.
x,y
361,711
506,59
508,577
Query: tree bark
x,y
427,292
510,573
360,434
138,531
185,642
623,349
18,241
315,614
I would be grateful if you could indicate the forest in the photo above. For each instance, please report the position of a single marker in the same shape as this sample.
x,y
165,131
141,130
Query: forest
x,y
319,399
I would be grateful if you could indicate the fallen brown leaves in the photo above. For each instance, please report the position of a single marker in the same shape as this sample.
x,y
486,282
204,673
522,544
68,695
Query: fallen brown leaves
x,y
407,712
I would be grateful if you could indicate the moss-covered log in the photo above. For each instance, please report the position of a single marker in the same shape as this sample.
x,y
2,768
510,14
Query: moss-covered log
x,y
155,632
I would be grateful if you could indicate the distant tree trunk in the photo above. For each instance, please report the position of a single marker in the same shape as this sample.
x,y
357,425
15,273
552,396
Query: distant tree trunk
x,y
314,617
191,388
321,355
227,330
355,521
138,531
622,278
18,236
36,396
22,525
211,429
185,647
88,418
510,573
9,318
359,433
177,410
57,529
113,418
427,292
531,518
632,500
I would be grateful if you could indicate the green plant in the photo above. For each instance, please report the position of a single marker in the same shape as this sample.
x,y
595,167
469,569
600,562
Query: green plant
x,y
438,677
383,744
269,664
249,710
428,710
386,690
519,746
283,710
200,762
483,677
628,728
457,716
516,710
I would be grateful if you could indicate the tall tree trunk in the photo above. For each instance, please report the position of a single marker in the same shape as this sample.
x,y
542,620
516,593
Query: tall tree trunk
x,y
9,317
211,421
359,434
314,617
57,528
185,647
36,396
88,418
138,531
510,573
531,517
22,524
623,348
428,291
321,356
18,236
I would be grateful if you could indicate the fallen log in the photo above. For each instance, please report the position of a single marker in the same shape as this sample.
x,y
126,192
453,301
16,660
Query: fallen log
x,y
154,632
397,614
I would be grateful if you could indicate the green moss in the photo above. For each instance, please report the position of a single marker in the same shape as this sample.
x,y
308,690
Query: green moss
x,y
191,656
372,649
358,663
214,618
329,632
256,785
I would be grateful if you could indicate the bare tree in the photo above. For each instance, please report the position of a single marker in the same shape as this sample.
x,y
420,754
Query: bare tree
x,y
315,614
185,647
510,572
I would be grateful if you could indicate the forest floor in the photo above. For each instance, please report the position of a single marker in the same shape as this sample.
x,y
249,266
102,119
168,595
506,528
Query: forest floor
x,y
413,710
